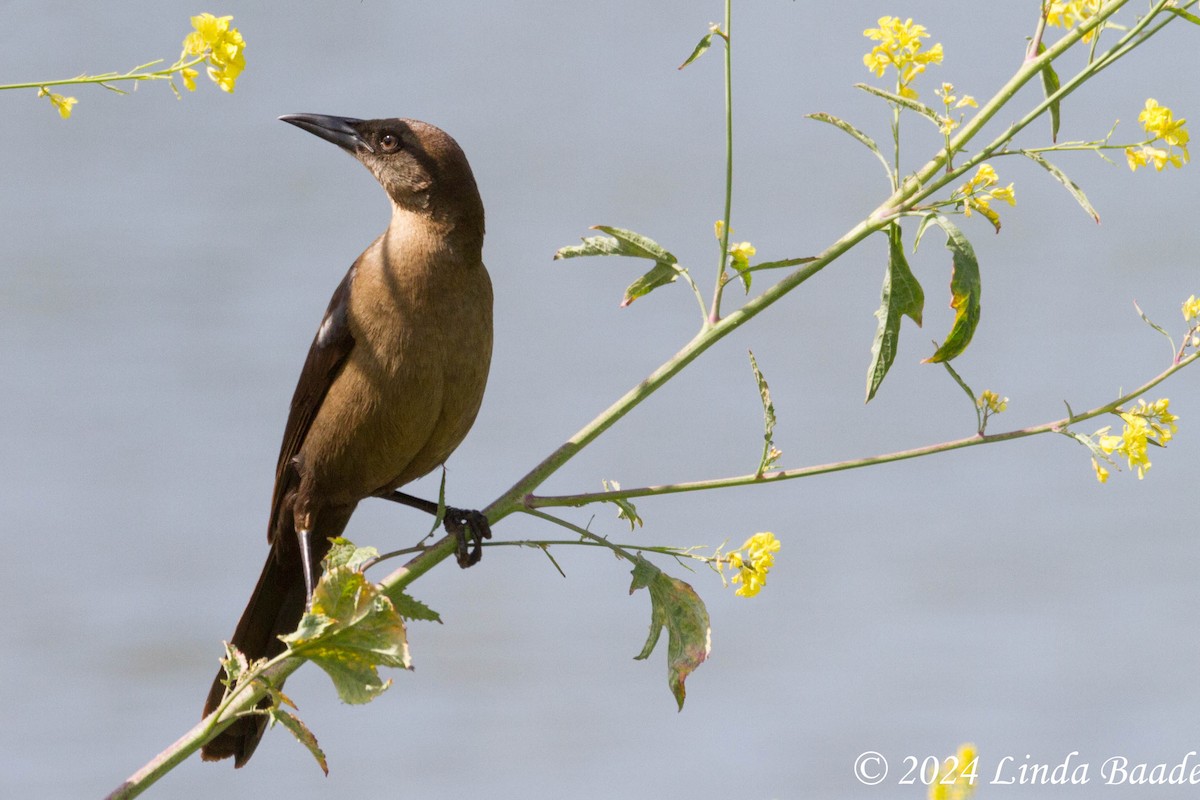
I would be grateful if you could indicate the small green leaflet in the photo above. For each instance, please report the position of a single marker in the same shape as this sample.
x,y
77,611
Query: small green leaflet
x,y
910,104
1062,178
861,137
621,242
301,731
701,46
675,606
1051,84
964,291
770,455
900,296
625,509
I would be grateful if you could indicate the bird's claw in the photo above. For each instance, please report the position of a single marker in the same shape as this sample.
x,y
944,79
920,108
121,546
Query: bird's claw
x,y
469,529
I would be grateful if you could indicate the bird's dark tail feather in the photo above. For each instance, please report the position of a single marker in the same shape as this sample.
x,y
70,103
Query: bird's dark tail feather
x,y
274,609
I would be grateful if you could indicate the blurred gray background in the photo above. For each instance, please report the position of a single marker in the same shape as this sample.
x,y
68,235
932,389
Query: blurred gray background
x,y
163,265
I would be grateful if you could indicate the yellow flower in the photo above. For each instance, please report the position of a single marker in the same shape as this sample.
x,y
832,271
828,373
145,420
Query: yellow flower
x,y
1101,472
900,47
955,778
221,46
1069,14
63,104
719,228
1149,423
189,79
742,253
752,561
1161,125
993,402
978,193
1191,308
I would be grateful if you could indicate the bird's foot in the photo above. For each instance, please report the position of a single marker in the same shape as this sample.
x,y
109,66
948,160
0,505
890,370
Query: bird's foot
x,y
469,529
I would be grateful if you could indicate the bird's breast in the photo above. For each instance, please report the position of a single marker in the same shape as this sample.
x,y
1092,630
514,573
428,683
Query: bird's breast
x,y
413,382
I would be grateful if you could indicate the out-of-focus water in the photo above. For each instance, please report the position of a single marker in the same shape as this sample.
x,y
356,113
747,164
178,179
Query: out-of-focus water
x,y
163,265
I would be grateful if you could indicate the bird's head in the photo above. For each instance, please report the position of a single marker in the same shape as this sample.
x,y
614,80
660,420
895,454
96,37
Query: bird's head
x,y
420,166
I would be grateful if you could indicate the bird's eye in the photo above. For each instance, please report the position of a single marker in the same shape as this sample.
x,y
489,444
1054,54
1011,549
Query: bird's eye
x,y
389,142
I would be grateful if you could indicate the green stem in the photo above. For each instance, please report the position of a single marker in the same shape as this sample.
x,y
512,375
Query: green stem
x,y
112,77
1056,426
714,314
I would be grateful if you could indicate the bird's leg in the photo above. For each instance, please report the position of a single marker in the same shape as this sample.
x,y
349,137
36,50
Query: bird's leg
x,y
310,574
467,527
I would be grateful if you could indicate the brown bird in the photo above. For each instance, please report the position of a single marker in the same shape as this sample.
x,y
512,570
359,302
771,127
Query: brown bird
x,y
392,382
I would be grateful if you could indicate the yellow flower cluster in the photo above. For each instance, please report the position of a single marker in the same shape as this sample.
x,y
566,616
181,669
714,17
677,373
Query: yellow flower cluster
x,y
900,47
992,402
1160,123
955,780
978,193
222,46
951,101
752,561
1069,14
1191,308
1147,424
63,104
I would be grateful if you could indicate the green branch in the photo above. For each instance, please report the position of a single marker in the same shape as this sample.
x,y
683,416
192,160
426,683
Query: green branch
x,y
1057,426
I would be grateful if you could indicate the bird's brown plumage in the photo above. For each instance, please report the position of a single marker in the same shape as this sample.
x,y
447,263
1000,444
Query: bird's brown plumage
x,y
393,379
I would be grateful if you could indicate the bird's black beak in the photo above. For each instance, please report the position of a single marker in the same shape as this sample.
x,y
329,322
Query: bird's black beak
x,y
342,131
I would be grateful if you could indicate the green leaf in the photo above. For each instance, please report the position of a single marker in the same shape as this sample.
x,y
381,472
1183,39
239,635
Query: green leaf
x,y
905,102
770,455
302,733
964,293
900,296
1062,178
637,245
344,553
1051,84
350,630
675,606
621,242
625,509
861,137
701,46
660,275
592,246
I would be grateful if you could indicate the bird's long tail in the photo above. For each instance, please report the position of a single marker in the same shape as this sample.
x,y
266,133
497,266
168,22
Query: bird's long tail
x,y
274,609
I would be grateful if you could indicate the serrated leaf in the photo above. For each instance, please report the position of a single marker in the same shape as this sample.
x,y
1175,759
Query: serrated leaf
x,y
660,275
964,293
701,46
770,455
303,735
854,132
409,607
906,102
625,509
675,606
350,630
900,296
1062,178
